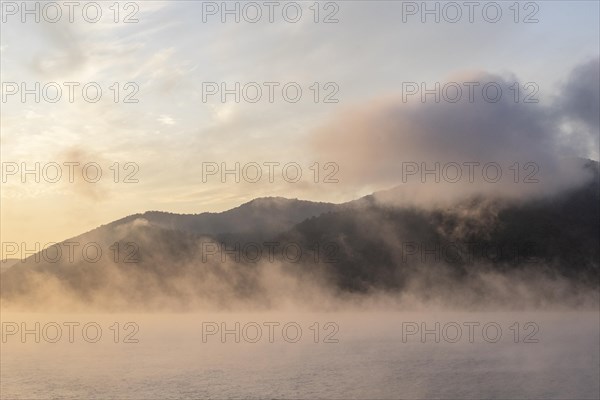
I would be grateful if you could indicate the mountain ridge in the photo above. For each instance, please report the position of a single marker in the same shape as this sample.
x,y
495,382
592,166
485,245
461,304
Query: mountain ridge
x,y
355,247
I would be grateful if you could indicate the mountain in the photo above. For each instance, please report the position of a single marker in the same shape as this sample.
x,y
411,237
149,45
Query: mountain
x,y
156,250
263,217
291,247
7,263
378,245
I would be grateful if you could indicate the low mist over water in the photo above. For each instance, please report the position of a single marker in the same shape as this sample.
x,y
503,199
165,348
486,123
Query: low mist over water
x,y
359,355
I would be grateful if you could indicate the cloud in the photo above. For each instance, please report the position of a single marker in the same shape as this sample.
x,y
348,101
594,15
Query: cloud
x,y
375,143
90,187
166,120
579,106
63,52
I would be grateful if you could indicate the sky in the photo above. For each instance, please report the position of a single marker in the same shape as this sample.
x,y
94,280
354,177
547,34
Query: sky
x,y
172,56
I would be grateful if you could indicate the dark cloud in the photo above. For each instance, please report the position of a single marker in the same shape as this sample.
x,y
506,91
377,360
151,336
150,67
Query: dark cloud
x,y
372,142
580,105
